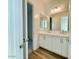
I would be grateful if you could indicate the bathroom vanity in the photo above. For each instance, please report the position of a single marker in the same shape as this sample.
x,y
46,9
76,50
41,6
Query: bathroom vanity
x,y
54,42
53,33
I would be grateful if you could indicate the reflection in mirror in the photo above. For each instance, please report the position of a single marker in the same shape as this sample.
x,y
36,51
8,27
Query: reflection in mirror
x,y
43,23
64,24
50,23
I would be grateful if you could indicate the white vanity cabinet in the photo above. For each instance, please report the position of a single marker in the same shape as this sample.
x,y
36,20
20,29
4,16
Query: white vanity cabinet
x,y
54,44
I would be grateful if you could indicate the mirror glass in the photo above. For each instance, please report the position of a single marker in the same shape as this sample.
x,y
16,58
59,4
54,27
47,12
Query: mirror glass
x,y
64,23
59,22
43,22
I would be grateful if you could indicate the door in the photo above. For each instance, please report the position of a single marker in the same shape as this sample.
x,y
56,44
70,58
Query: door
x,y
16,45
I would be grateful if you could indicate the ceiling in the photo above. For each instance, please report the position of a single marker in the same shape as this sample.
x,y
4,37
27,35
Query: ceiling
x,y
48,1
50,4
55,3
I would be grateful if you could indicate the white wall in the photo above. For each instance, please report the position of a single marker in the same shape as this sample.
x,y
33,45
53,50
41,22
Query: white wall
x,y
37,9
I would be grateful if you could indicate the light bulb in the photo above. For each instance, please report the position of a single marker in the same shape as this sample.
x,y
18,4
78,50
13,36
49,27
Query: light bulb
x,y
58,8
52,11
36,16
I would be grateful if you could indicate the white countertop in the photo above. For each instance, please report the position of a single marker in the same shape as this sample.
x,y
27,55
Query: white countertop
x,y
54,33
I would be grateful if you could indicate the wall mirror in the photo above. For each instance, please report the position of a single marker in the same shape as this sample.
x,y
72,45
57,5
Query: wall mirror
x,y
44,23
64,23
59,23
54,23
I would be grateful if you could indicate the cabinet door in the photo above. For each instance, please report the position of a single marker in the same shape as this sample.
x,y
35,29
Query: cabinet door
x,y
53,44
56,45
45,42
65,47
41,41
48,42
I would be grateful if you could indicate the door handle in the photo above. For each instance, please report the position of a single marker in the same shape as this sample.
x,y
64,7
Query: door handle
x,y
21,46
24,41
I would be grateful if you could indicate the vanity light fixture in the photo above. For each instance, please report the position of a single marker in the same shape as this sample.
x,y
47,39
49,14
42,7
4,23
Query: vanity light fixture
x,y
56,10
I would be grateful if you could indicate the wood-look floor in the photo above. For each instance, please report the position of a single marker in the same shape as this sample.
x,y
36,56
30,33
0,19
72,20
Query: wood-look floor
x,y
44,54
